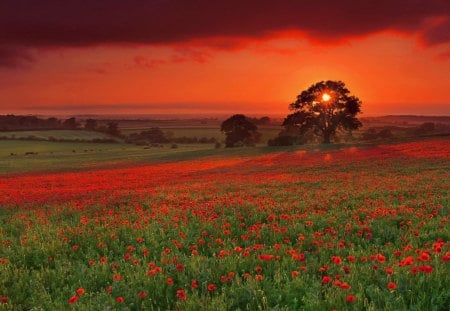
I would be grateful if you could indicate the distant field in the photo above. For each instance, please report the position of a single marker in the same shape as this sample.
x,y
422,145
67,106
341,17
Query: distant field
x,y
57,134
43,156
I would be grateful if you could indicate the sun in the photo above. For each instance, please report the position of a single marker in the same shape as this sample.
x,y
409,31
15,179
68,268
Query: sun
x,y
326,97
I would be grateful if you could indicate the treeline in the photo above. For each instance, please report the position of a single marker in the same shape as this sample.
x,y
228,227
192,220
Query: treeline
x,y
155,135
28,123
33,123
389,132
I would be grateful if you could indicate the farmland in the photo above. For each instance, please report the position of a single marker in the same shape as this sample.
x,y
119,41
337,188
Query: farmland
x,y
313,229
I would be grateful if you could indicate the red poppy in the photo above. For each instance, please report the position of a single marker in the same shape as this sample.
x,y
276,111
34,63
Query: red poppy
x,y
392,285
73,299
181,294
142,295
120,299
212,287
80,291
326,279
350,298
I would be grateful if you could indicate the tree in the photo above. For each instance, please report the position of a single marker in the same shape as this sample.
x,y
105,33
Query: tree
x,y
239,131
324,108
113,128
90,124
70,124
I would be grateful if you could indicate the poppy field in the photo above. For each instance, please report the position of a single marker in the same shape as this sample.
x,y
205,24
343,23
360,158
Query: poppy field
x,y
355,228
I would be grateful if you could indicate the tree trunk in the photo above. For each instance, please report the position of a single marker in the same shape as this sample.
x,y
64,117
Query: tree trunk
x,y
326,137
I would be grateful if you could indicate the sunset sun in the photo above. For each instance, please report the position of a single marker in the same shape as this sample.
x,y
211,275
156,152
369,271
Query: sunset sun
x,y
326,97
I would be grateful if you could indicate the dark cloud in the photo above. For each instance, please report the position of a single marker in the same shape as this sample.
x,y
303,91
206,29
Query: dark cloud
x,y
56,23
14,57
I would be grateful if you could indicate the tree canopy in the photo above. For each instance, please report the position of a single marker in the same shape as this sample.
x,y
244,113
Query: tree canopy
x,y
324,108
239,130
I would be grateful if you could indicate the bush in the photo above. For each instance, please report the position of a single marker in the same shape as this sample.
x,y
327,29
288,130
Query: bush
x,y
281,141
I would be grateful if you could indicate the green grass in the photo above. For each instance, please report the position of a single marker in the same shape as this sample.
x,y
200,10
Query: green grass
x,y
57,134
54,156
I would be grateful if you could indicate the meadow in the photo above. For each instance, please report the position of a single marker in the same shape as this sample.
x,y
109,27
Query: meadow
x,y
299,228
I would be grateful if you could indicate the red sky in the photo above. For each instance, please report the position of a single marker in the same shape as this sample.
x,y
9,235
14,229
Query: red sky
x,y
201,56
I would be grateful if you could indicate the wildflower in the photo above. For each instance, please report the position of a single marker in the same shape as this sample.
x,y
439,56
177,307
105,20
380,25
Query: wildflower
x,y
350,298
170,281
326,279
446,257
211,287
181,294
389,270
4,299
424,257
295,273
407,261
426,269
194,284
258,277
266,257
380,258
392,285
80,291
336,260
142,295
351,258
120,299
346,269
345,285
73,299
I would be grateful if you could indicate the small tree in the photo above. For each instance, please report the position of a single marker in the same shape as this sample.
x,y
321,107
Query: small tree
x,y
90,125
113,128
324,108
239,131
70,124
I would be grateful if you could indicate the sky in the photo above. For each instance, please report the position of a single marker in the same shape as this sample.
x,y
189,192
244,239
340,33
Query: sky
x,y
221,57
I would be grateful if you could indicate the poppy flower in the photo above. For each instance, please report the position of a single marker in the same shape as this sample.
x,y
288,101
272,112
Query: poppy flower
x,y
350,298
80,291
392,285
181,294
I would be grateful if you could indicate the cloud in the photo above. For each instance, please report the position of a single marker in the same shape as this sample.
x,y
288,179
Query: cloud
x,y
179,55
438,33
79,23
13,57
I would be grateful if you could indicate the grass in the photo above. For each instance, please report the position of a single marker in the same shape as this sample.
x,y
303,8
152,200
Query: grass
x,y
55,156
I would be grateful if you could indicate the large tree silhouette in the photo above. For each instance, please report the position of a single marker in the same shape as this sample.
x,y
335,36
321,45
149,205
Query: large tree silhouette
x,y
324,108
239,130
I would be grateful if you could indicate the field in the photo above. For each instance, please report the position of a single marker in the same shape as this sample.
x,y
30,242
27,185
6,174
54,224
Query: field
x,y
56,134
345,228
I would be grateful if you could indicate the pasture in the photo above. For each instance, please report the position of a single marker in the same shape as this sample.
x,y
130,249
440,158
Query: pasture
x,y
346,228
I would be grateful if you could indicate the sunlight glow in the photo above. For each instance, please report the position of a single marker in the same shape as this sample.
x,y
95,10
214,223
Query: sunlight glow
x,y
326,97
